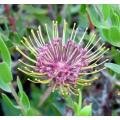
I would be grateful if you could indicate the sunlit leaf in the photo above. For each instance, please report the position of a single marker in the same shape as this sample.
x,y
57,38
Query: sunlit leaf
x,y
5,52
86,111
94,18
4,86
105,33
76,109
106,11
114,18
113,67
112,35
5,72
5,77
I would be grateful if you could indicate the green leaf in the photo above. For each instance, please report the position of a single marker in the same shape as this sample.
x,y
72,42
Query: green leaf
x,y
95,18
83,8
4,86
76,109
114,35
111,35
23,97
78,106
115,54
35,10
59,19
5,73
5,77
86,111
105,33
19,85
69,101
106,11
8,107
33,112
113,67
25,101
114,18
5,52
74,9
56,109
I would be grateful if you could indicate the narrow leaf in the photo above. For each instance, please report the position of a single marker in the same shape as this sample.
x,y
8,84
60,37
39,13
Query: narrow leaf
x,y
19,85
86,111
25,101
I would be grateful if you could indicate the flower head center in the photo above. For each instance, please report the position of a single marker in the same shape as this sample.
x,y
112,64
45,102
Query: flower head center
x,y
61,65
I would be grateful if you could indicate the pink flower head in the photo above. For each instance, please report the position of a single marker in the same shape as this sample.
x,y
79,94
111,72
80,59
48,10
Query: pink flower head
x,y
62,62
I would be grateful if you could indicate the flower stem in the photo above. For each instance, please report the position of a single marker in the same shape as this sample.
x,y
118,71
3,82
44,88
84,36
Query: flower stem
x,y
11,19
91,26
44,97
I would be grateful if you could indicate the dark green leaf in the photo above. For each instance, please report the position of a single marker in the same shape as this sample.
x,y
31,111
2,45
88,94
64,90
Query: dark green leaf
x,y
83,8
56,109
8,107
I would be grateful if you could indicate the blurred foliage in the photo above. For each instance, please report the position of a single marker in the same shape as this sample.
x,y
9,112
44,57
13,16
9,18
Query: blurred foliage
x,y
77,106
16,21
107,19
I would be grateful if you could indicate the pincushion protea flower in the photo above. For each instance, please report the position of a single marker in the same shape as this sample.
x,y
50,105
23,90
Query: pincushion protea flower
x,y
60,62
